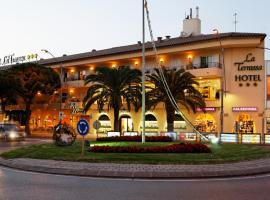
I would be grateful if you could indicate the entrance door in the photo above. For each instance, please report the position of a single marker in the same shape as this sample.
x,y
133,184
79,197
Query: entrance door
x,y
126,124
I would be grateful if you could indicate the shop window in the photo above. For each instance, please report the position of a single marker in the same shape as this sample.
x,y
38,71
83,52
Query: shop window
x,y
268,125
105,124
179,123
268,88
151,124
244,124
205,123
209,88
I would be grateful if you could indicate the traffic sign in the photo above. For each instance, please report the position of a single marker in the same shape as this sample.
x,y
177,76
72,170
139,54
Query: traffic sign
x,y
61,116
83,127
96,124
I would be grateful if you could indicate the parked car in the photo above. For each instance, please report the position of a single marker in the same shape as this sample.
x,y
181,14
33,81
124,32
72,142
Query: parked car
x,y
10,131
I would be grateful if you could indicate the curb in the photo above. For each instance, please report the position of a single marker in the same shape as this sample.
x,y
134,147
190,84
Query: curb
x,y
131,174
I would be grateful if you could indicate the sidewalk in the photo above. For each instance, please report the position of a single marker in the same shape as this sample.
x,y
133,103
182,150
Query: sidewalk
x,y
253,167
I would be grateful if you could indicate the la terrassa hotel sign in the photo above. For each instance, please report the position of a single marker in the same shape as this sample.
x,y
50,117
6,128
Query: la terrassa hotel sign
x,y
250,70
13,59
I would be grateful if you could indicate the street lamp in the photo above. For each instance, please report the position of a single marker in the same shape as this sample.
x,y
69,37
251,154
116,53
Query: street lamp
x,y
60,106
143,71
223,83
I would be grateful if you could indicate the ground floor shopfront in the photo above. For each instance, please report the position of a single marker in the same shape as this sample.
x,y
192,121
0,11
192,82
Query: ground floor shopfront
x,y
245,121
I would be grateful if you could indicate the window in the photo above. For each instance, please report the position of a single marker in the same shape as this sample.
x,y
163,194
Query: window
x,y
209,88
268,88
208,61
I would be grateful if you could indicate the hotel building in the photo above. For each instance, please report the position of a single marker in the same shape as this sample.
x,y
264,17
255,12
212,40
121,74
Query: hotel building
x,y
200,54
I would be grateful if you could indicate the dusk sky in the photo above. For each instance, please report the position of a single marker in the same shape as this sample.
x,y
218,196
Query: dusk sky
x,y
76,26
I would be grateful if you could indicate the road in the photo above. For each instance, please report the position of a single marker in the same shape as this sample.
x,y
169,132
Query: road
x,y
27,185
6,146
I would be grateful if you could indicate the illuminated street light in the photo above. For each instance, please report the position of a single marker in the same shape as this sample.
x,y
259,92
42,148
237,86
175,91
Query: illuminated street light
x,y
61,94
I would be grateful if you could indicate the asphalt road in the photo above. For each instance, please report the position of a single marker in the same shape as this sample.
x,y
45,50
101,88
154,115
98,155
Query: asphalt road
x,y
6,146
27,185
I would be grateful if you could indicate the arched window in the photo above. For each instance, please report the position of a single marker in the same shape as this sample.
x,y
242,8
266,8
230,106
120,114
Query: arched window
x,y
103,118
150,117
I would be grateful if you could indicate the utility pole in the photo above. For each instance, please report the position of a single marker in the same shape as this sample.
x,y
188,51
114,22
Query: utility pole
x,y
61,75
143,72
223,83
235,21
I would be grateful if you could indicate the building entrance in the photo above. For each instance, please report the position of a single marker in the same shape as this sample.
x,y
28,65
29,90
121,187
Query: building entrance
x,y
126,124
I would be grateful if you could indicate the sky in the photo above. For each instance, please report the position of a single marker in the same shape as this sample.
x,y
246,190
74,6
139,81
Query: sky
x,y
77,26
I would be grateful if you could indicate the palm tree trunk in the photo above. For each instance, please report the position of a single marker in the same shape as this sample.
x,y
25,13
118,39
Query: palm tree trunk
x,y
170,112
116,119
28,116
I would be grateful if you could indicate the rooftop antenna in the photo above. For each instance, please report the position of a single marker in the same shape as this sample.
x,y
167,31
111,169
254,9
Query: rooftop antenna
x,y
197,12
235,21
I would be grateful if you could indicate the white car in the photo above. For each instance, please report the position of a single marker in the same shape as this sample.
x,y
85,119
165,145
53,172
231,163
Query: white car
x,y
11,132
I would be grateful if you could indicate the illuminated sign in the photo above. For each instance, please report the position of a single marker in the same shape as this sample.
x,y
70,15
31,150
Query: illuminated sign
x,y
187,136
206,109
246,66
130,133
12,59
244,109
251,138
113,134
231,138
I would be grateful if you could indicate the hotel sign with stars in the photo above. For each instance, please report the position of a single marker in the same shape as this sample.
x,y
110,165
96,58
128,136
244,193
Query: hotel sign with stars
x,y
13,59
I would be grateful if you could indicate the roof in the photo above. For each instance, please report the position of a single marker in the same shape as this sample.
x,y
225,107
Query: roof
x,y
159,44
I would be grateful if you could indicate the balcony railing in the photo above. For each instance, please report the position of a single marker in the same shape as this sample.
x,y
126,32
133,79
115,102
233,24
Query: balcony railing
x,y
74,78
203,65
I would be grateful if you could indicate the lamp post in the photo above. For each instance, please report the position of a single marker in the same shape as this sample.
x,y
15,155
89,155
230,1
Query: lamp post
x,y
223,83
264,122
61,72
143,72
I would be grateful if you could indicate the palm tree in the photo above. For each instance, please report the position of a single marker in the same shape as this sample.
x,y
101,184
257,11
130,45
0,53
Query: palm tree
x,y
31,78
114,87
181,84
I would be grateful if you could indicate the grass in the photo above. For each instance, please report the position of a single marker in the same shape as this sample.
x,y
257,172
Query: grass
x,y
220,154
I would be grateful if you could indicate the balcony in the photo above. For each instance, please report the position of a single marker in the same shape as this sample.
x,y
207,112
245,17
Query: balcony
x,y
203,65
213,69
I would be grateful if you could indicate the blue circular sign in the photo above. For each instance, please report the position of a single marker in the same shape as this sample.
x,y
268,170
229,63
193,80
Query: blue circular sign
x,y
83,127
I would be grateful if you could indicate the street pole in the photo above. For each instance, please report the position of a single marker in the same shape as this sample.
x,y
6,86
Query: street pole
x,y
61,75
223,85
143,72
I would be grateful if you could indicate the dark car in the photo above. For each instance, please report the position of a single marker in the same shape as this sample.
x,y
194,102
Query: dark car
x,y
11,132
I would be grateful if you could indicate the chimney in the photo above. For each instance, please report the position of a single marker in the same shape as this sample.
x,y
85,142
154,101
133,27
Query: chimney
x,y
191,26
159,39
139,43
167,37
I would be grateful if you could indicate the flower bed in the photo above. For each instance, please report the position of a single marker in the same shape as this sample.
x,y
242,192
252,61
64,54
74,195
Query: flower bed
x,y
136,139
174,148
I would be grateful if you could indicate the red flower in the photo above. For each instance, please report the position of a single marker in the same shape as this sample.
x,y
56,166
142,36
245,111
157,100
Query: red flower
x,y
174,148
